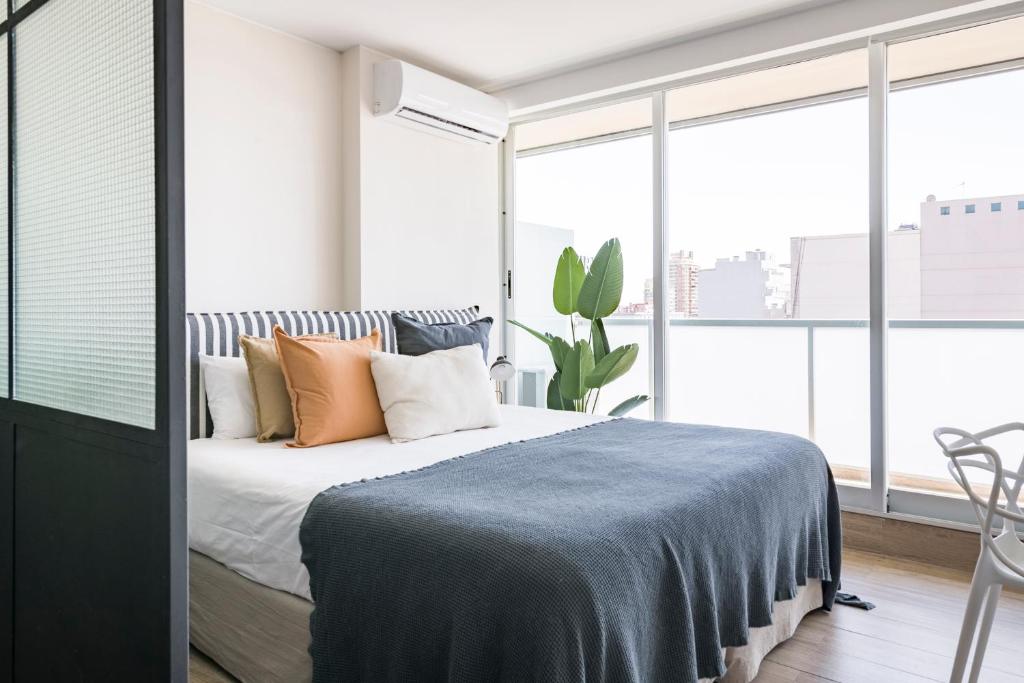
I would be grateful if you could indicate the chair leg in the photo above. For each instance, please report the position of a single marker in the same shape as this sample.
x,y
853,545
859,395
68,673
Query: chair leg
x,y
991,602
979,589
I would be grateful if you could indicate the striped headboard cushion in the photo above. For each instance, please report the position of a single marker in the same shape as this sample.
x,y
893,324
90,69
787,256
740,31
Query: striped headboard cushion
x,y
216,334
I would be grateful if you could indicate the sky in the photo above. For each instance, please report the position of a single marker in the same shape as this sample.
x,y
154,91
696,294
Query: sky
x,y
753,183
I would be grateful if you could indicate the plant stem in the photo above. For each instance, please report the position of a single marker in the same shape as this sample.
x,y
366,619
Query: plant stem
x,y
596,398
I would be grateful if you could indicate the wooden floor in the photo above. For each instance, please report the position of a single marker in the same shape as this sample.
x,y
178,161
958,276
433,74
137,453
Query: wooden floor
x,y
201,669
911,636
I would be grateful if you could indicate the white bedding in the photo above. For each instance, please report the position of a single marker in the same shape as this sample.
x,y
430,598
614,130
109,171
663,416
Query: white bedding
x,y
247,499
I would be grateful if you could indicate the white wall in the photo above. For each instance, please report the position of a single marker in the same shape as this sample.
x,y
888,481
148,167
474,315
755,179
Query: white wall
x,y
263,167
423,211
299,197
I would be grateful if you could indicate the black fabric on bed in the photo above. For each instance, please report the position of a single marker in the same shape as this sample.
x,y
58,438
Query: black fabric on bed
x,y
623,551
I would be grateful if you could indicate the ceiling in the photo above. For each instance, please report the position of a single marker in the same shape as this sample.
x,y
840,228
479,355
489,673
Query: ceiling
x,y
490,44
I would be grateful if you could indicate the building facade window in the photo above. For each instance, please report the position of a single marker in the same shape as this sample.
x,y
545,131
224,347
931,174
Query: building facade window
x,y
997,206
944,210
969,208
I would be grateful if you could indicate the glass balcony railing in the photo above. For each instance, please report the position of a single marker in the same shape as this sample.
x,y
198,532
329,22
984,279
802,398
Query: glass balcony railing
x,y
811,378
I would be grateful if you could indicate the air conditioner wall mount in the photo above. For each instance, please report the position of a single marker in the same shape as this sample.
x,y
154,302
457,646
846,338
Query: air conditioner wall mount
x,y
420,99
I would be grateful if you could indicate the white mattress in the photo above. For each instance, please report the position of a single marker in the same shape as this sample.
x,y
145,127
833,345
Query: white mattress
x,y
247,499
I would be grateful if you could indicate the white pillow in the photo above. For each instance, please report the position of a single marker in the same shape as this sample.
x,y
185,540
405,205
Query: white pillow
x,y
229,396
436,393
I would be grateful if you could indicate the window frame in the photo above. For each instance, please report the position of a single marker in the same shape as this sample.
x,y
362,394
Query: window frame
x,y
879,497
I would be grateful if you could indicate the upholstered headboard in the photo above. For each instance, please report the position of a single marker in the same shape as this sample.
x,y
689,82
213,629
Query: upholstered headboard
x,y
216,334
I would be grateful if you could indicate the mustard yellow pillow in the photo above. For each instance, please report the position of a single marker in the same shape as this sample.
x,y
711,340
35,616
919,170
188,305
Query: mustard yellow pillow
x,y
331,387
269,391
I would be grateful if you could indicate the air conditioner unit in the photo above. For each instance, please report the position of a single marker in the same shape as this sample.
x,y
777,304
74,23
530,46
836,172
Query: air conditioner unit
x,y
424,100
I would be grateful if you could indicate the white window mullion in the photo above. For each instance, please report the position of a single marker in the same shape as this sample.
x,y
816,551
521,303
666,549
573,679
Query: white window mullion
x,y
878,94
508,237
659,353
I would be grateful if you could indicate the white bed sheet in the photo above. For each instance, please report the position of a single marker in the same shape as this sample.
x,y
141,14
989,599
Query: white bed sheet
x,y
247,499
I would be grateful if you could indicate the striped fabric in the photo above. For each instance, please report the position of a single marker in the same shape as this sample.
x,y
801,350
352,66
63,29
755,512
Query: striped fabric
x,y
216,334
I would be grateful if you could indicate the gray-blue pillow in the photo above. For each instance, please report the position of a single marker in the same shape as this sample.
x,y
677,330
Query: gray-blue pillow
x,y
416,338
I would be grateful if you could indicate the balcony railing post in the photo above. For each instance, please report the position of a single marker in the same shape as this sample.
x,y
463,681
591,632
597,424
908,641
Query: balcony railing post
x,y
810,382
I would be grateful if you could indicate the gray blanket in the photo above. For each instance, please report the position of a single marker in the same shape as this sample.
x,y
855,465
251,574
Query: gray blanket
x,y
624,551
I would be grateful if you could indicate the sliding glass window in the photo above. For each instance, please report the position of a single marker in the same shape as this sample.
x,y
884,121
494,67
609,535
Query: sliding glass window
x,y
767,286
581,180
956,184
767,262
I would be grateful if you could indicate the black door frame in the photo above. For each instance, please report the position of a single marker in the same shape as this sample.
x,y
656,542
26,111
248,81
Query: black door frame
x,y
158,453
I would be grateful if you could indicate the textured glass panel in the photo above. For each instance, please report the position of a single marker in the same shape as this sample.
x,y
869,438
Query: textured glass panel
x,y
84,227
3,216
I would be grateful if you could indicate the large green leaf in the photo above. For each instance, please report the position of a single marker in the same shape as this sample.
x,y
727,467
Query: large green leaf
x,y
628,405
578,363
559,348
569,274
555,399
600,338
543,336
614,365
602,287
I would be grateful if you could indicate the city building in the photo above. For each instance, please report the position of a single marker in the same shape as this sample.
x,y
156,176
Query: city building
x,y
830,275
972,258
681,292
964,261
751,288
683,284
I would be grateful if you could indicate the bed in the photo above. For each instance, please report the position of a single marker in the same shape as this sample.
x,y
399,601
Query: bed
x,y
365,514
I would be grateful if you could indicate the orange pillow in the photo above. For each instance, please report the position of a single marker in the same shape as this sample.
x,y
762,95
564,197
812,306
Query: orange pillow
x,y
331,387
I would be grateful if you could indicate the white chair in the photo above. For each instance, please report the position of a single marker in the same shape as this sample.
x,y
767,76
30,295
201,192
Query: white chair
x,y
1001,561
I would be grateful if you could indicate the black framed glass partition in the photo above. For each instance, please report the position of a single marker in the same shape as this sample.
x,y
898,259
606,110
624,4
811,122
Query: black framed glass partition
x,y
92,298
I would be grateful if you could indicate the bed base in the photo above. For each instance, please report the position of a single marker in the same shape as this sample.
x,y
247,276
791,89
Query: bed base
x,y
259,634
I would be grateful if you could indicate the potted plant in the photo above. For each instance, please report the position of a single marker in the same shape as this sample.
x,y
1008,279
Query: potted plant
x,y
586,365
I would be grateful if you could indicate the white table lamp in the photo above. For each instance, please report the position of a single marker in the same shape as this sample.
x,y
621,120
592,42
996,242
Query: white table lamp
x,y
501,370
